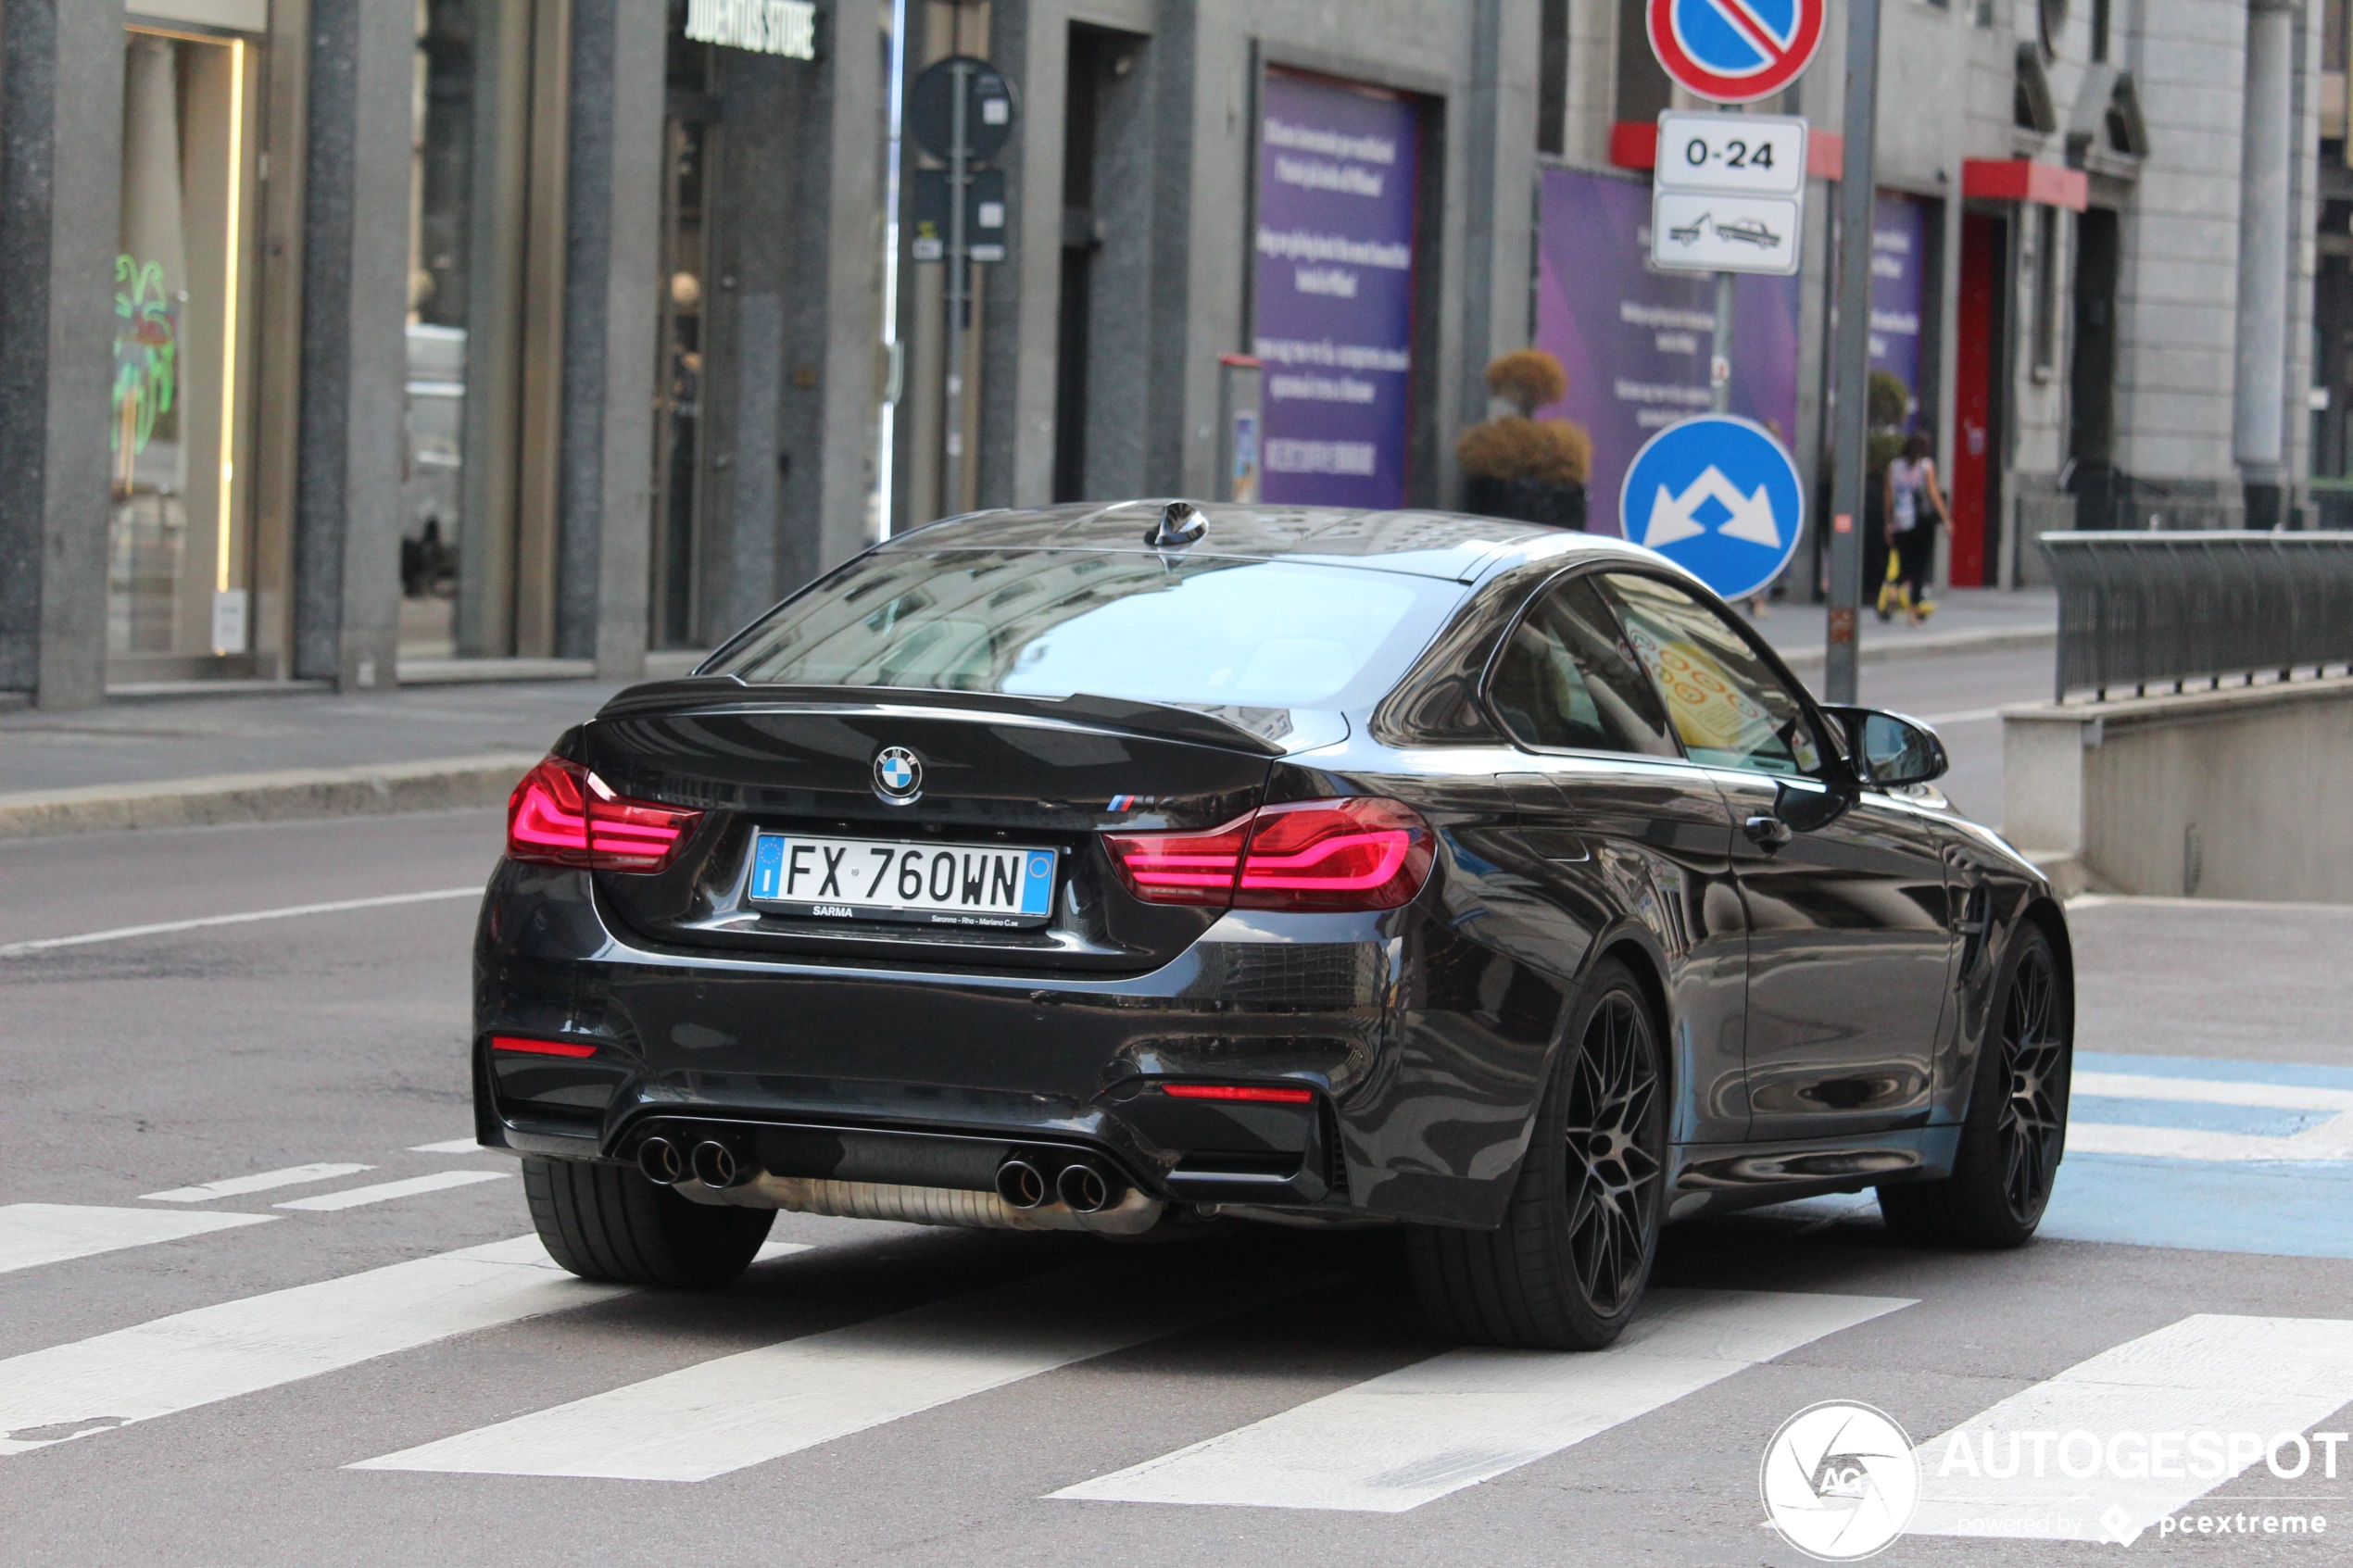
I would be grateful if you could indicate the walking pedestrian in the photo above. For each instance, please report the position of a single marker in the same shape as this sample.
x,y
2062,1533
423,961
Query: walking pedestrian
x,y
1914,510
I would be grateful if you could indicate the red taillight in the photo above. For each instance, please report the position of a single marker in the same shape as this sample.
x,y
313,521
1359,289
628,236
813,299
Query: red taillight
x,y
1359,854
1181,868
1363,853
563,815
1237,1091
522,1047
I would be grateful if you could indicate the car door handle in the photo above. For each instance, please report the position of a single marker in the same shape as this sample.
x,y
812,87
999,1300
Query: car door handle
x,y
1768,833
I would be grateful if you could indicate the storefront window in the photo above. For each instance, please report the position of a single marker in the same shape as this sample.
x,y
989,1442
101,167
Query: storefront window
x,y
678,395
433,458
178,572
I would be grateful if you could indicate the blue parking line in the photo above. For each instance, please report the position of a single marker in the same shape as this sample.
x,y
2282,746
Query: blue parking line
x,y
2294,1074
2258,1120
2287,1211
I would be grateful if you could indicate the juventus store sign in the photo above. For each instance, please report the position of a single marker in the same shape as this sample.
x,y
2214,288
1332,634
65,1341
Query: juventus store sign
x,y
766,27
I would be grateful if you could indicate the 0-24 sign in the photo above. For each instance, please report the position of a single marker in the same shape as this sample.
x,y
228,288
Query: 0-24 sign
x,y
1728,192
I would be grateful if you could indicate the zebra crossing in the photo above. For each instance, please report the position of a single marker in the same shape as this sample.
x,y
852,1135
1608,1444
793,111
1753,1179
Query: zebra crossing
x,y
2155,1141
1391,1442
1417,1434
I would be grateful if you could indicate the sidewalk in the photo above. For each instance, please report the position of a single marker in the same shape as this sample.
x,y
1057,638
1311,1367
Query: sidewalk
x,y
196,759
1966,621
201,759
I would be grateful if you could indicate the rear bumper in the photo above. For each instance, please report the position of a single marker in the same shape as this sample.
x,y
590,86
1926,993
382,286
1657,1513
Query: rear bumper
x,y
952,1070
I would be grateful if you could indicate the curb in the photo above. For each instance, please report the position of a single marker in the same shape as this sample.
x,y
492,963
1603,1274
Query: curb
x,y
1930,645
451,783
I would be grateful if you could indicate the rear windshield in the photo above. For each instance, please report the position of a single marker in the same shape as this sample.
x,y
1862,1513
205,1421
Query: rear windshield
x,y
1052,623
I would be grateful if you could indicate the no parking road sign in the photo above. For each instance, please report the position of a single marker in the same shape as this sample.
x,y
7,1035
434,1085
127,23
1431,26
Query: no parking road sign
x,y
1718,496
1735,51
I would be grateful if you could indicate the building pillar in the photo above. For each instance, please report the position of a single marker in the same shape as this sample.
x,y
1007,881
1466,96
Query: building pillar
x,y
2267,154
843,337
355,302
1479,108
60,198
612,236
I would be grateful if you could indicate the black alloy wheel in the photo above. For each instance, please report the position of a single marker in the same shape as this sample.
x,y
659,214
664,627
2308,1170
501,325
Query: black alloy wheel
x,y
1613,1109
2016,1130
2034,1062
1567,1269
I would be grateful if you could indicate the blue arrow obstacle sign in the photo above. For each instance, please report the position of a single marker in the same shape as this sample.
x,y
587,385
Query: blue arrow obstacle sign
x,y
1718,496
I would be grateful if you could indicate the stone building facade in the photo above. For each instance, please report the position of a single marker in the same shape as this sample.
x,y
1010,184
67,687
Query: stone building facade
x,y
358,341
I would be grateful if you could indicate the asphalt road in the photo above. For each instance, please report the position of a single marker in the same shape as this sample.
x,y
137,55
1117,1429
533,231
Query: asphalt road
x,y
1958,694
201,1390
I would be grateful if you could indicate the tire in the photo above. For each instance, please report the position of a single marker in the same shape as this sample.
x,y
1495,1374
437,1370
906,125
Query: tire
x,y
607,1222
2016,1130
1567,1269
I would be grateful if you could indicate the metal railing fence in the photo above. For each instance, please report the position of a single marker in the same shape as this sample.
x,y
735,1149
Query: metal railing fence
x,y
2143,609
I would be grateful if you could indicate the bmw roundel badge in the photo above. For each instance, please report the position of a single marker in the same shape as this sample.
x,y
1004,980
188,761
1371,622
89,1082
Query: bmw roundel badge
x,y
899,777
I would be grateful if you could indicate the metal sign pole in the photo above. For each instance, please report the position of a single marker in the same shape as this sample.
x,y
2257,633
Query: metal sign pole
x,y
1850,364
959,284
1720,359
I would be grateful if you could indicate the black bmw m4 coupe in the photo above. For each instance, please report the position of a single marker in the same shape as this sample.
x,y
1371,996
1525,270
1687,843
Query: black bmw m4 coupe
x,y
1138,869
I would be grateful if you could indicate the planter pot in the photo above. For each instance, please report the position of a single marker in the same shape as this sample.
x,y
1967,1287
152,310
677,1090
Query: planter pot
x,y
1526,500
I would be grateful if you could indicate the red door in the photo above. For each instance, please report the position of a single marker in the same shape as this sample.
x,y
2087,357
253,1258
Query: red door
x,y
1973,401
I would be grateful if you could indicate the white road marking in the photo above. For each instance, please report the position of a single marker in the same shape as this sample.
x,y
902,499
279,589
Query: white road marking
x,y
260,1181
33,1234
2264,1377
744,1409
383,1192
197,1358
454,1146
1401,1440
2332,1140
166,928
1966,716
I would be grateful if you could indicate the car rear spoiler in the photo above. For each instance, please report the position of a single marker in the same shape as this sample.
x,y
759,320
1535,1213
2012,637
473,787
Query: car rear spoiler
x,y
1268,732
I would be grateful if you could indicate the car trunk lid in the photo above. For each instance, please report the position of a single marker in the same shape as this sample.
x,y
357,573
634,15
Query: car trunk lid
x,y
996,779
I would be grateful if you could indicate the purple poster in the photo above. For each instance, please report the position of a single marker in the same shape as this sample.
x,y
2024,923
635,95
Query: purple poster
x,y
1635,342
1335,290
1899,288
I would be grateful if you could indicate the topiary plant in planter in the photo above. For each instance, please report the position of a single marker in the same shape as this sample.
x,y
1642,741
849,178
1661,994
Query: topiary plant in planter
x,y
1521,467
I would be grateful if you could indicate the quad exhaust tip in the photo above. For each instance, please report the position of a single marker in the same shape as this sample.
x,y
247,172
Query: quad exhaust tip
x,y
1027,1182
1021,1184
715,1165
663,1163
1085,1188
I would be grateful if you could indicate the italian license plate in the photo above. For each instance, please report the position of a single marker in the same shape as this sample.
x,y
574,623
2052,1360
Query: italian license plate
x,y
878,879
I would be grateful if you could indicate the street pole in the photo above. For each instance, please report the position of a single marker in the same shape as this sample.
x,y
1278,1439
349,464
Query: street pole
x,y
1719,356
887,435
958,283
1720,359
1851,356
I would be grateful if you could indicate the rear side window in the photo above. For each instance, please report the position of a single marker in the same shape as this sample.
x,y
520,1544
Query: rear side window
x,y
1198,630
1568,681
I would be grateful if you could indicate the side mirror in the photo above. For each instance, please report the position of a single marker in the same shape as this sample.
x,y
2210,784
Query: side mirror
x,y
1889,750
